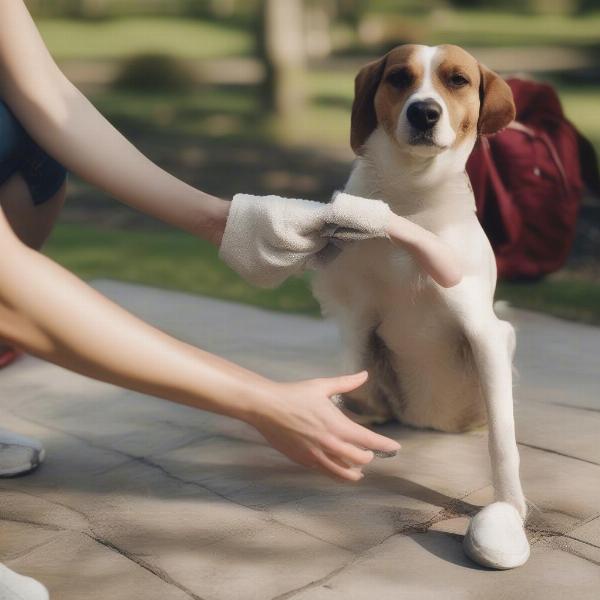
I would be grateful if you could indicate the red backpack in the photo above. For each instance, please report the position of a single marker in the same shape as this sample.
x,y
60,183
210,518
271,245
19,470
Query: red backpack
x,y
528,181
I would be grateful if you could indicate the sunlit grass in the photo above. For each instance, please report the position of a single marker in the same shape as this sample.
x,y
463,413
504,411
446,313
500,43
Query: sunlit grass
x,y
195,38
581,107
489,28
567,298
118,38
210,111
167,260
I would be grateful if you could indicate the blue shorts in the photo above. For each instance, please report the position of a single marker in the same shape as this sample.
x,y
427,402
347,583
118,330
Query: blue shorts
x,y
20,154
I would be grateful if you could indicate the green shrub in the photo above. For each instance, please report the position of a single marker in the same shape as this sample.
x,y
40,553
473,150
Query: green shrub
x,y
154,73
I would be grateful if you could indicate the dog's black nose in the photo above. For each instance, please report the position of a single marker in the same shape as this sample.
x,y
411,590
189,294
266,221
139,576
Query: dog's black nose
x,y
424,114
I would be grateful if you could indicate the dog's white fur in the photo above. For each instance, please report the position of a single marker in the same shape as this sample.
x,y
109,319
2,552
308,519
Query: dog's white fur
x,y
449,356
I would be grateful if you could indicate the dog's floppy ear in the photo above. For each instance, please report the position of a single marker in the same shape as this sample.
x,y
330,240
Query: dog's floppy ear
x,y
364,120
497,107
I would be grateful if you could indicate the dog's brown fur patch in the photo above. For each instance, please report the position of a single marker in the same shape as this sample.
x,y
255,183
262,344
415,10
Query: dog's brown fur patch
x,y
483,105
462,102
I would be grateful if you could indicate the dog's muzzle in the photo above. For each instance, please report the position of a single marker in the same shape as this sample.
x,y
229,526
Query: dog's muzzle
x,y
423,115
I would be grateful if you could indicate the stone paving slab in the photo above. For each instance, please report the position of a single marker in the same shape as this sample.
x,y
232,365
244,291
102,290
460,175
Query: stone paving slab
x,y
142,499
551,427
431,566
588,533
73,565
557,360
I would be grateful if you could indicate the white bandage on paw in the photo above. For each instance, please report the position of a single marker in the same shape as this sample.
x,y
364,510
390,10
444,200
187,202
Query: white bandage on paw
x,y
269,238
496,537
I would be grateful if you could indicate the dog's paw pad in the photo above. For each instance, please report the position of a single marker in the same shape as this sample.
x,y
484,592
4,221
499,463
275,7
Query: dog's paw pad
x,y
496,537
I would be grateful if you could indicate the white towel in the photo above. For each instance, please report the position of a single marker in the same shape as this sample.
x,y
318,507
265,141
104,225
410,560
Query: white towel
x,y
269,238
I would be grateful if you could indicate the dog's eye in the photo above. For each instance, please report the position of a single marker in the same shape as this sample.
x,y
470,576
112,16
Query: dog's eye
x,y
401,78
457,80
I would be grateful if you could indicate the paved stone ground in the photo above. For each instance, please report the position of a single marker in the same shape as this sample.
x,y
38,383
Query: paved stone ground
x,y
141,499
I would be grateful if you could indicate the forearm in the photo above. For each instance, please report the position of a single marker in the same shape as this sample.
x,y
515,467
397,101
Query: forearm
x,y
75,133
55,316
68,126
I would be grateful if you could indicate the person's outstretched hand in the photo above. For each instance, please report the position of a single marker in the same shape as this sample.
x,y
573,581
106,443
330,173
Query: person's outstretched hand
x,y
300,420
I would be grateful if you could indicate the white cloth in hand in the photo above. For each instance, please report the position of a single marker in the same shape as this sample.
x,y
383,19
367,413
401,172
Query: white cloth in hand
x,y
269,238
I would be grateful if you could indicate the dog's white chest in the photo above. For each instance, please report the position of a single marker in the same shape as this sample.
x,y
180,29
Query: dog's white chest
x,y
375,280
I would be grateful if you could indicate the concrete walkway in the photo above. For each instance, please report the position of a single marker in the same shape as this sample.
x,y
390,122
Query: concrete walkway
x,y
141,499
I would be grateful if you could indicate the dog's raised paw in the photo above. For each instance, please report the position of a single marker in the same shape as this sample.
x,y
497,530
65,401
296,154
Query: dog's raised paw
x,y
496,537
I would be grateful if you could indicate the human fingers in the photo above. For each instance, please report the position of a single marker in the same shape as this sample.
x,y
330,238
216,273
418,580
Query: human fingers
x,y
343,383
334,468
348,453
365,438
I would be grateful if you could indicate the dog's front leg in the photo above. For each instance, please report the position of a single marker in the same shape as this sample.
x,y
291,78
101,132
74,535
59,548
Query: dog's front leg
x,y
492,354
496,537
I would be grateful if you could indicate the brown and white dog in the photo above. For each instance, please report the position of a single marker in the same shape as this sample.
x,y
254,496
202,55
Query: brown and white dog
x,y
438,357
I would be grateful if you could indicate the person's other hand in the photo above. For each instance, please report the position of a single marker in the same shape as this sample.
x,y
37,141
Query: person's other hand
x,y
300,420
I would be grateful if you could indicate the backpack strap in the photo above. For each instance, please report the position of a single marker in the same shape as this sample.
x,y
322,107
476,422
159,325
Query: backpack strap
x,y
589,164
545,138
509,215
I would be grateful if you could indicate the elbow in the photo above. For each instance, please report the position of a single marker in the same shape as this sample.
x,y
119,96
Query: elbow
x,y
10,325
17,329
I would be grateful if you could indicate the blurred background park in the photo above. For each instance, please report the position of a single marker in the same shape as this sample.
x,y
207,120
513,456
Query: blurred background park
x,y
254,96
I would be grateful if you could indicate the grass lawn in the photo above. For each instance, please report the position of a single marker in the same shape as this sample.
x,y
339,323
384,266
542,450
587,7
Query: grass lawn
x,y
195,38
119,38
167,260
489,28
581,106
181,262
567,298
218,112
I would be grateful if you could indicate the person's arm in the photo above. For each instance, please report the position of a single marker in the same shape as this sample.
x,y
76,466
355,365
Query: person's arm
x,y
55,316
61,119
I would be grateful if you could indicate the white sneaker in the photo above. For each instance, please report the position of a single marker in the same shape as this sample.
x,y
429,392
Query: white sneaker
x,y
18,587
18,455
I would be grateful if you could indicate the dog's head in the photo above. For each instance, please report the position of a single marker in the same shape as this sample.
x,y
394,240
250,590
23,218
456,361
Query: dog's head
x,y
429,99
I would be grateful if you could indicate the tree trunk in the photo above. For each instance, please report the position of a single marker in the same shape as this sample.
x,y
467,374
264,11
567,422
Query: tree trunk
x,y
283,52
318,29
